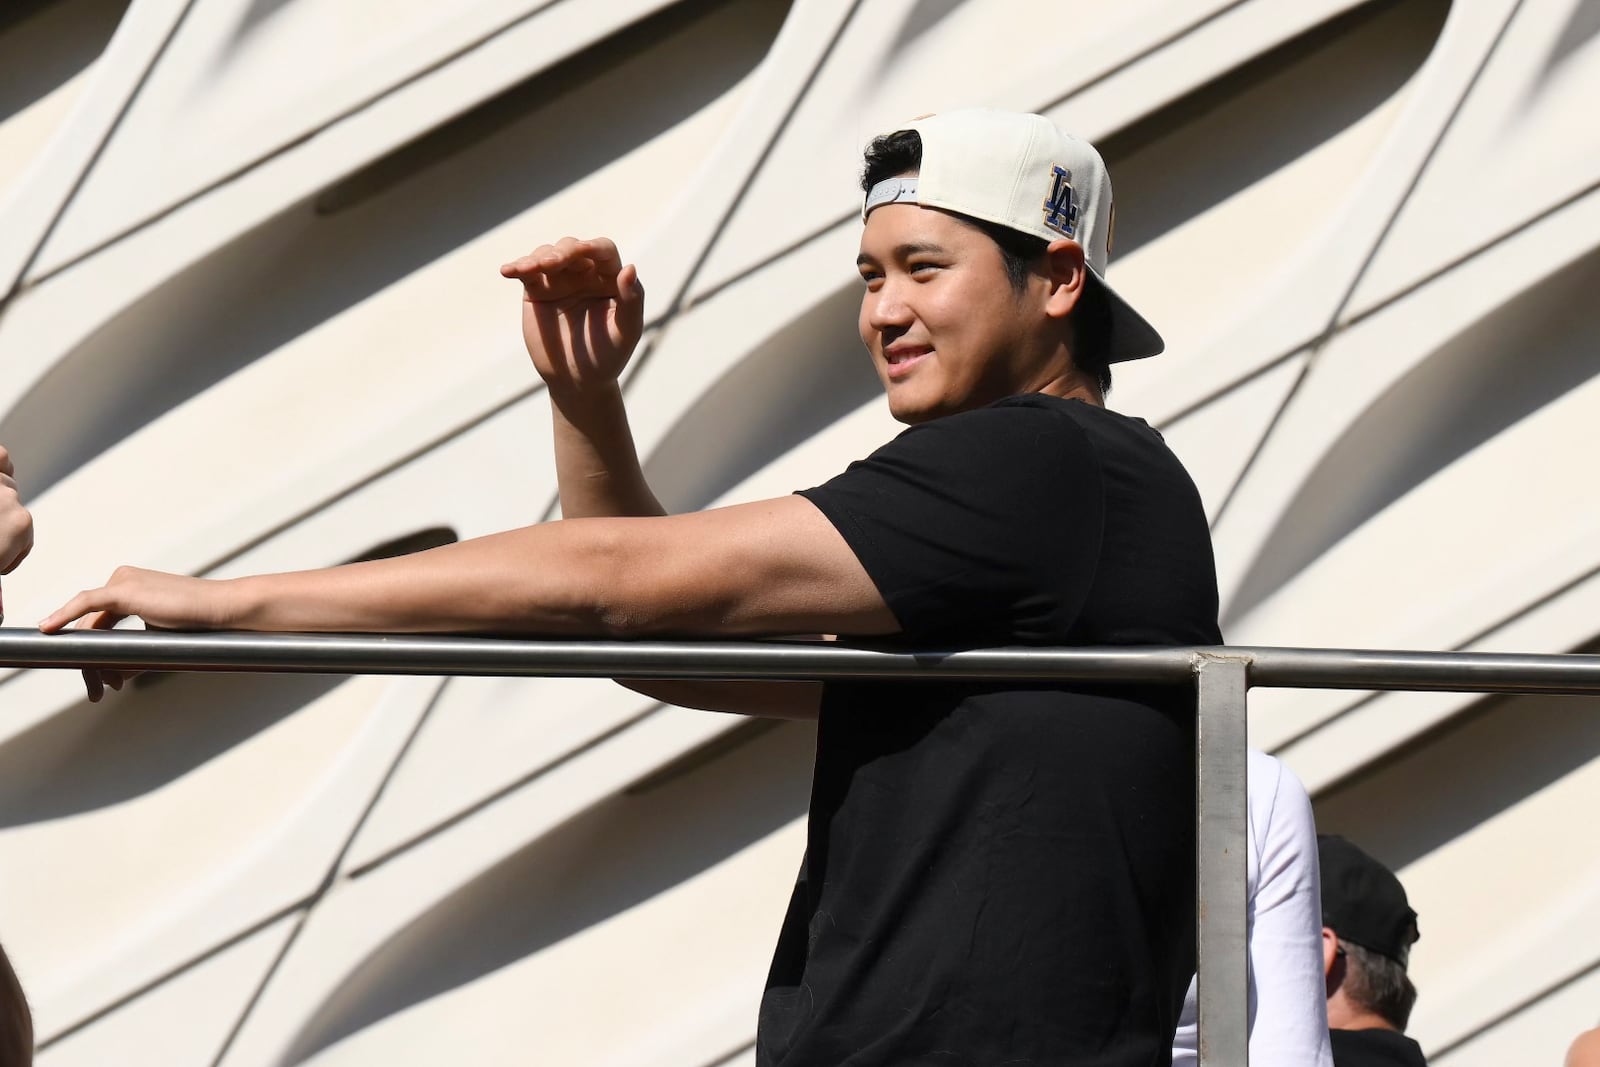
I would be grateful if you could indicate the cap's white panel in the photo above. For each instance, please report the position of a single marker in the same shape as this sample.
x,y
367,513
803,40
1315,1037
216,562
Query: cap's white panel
x,y
249,319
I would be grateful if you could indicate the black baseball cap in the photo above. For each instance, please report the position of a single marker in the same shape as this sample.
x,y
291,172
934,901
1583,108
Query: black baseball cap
x,y
1363,902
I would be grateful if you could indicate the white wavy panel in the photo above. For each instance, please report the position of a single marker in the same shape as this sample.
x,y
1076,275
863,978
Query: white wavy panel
x,y
146,796
1337,200
1539,1033
599,849
1525,141
1402,396
346,299
1223,177
1396,583
1216,441
877,75
1336,732
31,205
1457,813
242,79
716,413
46,51
186,1019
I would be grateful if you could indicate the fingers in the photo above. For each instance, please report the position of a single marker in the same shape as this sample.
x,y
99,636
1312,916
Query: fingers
x,y
570,265
98,602
630,301
5,463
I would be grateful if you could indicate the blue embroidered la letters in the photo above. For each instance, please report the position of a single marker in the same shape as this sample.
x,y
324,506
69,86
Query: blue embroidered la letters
x,y
1061,206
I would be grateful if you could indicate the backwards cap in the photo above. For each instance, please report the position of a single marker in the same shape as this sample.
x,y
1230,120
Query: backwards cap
x,y
1025,173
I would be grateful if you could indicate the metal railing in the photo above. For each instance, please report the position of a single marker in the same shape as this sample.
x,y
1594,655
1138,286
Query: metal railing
x,y
1222,677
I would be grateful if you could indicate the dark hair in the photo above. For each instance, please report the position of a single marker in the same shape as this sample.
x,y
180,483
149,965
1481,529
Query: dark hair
x,y
901,151
1378,984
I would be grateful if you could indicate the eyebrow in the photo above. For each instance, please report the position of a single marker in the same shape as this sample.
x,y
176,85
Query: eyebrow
x,y
903,251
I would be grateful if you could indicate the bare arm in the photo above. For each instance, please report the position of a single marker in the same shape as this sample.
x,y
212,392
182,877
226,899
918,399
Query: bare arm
x,y
582,316
16,525
770,567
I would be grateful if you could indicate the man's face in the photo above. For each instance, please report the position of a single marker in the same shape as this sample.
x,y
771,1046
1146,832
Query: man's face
x,y
946,330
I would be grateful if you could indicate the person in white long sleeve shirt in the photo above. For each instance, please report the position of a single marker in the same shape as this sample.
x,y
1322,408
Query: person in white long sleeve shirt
x,y
1288,998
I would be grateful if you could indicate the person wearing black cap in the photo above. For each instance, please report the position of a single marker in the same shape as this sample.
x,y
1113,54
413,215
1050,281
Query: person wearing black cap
x,y
1368,928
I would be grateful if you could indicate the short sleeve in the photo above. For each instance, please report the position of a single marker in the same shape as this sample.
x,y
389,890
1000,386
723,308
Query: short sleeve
x,y
982,527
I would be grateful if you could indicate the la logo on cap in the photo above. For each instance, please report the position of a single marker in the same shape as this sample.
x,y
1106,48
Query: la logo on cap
x,y
1061,206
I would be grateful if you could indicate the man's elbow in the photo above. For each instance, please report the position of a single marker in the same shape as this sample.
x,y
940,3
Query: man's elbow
x,y
629,589
644,591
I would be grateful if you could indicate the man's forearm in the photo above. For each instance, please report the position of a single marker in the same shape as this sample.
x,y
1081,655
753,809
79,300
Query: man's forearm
x,y
538,580
597,467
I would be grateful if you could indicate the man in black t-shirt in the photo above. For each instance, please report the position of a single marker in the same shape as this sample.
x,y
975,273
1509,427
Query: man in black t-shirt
x,y
995,873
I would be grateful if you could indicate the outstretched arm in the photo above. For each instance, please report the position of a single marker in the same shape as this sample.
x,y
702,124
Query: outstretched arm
x,y
770,567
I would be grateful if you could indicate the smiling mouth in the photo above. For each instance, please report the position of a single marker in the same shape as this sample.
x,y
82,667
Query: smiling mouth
x,y
900,362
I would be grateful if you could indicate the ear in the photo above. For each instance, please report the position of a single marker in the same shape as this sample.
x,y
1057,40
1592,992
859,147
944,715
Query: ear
x,y
1067,273
1330,952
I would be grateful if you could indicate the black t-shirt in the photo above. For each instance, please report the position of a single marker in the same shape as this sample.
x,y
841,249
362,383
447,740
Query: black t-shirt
x,y
1004,873
1375,1048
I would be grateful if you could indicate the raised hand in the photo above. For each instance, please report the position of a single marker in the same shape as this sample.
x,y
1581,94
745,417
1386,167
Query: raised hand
x,y
582,313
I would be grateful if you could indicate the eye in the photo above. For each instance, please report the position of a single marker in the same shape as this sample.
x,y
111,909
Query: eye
x,y
870,277
922,267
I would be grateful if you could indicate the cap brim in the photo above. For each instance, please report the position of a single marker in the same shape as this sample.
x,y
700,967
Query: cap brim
x,y
1132,337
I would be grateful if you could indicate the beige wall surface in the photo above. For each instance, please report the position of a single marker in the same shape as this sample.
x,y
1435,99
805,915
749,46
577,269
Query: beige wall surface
x,y
250,319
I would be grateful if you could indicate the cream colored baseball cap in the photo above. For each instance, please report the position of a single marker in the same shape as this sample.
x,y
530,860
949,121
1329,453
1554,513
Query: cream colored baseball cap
x,y
1026,173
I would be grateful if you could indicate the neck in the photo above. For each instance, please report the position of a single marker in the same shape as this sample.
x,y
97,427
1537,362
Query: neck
x,y
1342,1015
1072,386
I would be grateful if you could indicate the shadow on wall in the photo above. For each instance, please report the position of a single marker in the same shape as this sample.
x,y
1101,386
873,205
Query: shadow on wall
x,y
44,43
1583,25
1456,777
922,18
1498,370
623,852
157,730
804,377
96,755
1198,151
384,222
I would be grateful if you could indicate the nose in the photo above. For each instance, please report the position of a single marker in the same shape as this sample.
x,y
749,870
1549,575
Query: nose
x,y
888,309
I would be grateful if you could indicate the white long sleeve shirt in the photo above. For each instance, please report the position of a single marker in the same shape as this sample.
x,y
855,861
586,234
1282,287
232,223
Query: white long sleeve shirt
x,y
1288,1000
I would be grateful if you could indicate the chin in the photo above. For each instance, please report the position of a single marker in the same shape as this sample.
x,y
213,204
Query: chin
x,y
912,411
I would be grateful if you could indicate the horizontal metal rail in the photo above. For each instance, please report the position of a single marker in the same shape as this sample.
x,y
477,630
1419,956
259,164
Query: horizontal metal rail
x,y
1313,668
1221,677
